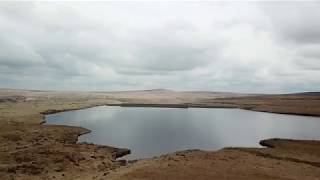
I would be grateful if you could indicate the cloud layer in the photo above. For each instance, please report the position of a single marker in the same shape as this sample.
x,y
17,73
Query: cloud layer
x,y
241,47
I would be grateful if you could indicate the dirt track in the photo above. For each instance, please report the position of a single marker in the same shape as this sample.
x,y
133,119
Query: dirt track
x,y
31,150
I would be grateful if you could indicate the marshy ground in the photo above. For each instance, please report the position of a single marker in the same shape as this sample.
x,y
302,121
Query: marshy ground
x,y
32,150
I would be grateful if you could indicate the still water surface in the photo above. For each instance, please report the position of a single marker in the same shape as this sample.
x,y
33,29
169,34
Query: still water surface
x,y
150,132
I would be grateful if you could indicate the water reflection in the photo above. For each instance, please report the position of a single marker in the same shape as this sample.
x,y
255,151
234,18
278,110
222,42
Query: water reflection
x,y
153,131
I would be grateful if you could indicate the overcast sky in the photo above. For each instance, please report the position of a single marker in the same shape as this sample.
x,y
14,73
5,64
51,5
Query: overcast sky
x,y
216,46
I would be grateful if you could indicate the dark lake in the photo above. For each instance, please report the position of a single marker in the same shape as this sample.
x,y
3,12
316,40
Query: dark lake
x,y
151,132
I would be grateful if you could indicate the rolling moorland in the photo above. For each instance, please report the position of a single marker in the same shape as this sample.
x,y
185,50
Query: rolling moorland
x,y
30,149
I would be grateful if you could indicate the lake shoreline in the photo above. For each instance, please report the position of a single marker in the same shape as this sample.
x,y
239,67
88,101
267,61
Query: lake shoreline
x,y
23,135
136,127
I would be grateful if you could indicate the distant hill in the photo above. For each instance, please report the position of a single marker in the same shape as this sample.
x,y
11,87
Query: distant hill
x,y
307,94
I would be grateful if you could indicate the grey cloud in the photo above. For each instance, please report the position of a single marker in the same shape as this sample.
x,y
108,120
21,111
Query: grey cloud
x,y
173,58
295,21
310,51
139,72
185,46
17,54
309,64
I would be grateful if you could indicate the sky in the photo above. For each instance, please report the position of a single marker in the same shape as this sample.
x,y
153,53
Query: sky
x,y
253,47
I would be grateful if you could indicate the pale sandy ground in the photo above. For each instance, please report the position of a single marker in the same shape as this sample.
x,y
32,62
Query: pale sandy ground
x,y
31,150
